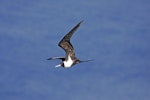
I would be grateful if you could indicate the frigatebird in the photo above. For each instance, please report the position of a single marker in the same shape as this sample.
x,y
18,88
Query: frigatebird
x,y
66,45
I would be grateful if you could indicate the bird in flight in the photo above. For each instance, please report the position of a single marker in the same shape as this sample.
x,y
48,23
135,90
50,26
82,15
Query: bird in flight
x,y
65,44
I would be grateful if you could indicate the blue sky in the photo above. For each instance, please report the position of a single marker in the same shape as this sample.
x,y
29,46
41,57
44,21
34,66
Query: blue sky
x,y
114,32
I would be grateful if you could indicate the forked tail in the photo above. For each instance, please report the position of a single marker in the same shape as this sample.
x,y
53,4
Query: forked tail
x,y
86,60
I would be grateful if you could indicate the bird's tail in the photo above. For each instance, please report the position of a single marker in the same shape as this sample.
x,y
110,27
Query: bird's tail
x,y
86,60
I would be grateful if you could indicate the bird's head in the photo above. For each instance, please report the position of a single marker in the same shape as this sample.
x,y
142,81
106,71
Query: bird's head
x,y
60,65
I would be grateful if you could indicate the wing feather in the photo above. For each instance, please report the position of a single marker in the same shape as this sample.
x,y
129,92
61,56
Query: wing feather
x,y
65,42
53,58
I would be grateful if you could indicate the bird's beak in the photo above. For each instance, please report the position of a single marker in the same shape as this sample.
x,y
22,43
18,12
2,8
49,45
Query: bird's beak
x,y
58,65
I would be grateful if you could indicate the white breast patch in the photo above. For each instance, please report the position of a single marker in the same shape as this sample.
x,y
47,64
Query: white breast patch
x,y
68,63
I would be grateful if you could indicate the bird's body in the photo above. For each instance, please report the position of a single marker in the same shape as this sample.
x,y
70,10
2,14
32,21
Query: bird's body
x,y
68,63
65,44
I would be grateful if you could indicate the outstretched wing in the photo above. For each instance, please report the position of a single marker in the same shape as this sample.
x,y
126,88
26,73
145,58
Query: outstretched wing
x,y
53,58
65,42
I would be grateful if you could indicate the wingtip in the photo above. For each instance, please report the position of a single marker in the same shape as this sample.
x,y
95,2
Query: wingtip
x,y
81,21
49,59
